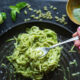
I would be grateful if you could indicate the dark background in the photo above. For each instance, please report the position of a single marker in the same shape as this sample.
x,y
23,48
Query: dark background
x,y
39,4
36,4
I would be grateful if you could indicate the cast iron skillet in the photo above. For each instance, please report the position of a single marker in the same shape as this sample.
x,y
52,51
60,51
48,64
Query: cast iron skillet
x,y
63,71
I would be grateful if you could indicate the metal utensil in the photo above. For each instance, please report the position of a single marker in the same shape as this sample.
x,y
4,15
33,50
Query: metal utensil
x,y
46,49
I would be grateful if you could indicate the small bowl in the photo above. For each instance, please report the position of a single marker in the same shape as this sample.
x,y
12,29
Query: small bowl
x,y
71,5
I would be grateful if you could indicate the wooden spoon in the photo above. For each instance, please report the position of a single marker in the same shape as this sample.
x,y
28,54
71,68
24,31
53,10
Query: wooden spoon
x,y
71,5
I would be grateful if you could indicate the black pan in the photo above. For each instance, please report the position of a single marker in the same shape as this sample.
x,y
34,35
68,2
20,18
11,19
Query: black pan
x,y
65,70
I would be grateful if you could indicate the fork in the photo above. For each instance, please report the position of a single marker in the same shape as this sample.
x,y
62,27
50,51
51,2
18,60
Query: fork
x,y
46,49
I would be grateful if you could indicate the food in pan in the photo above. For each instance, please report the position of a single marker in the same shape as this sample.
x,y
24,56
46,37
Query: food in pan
x,y
25,58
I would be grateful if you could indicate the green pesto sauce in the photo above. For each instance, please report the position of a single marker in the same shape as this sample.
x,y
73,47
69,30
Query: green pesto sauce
x,y
76,14
25,58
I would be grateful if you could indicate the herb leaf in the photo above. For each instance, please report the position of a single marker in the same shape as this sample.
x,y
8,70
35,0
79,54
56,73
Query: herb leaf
x,y
13,12
2,17
12,7
21,5
16,9
13,15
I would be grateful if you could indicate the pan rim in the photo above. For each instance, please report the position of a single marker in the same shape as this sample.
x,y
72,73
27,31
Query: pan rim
x,y
48,22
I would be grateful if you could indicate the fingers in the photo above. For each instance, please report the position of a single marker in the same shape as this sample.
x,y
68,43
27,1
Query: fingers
x,y
79,47
77,43
75,34
78,31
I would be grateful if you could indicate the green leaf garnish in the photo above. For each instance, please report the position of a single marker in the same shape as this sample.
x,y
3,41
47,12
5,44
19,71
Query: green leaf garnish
x,y
16,9
21,5
13,12
2,17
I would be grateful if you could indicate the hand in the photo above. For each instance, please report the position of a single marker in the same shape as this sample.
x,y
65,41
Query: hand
x,y
77,42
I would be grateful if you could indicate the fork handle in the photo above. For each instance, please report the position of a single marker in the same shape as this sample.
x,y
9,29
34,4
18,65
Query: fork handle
x,y
67,41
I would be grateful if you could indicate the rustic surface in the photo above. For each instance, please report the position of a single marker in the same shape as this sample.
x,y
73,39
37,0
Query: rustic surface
x,y
36,4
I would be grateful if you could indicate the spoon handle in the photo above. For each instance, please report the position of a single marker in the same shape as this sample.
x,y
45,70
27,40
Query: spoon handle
x,y
67,41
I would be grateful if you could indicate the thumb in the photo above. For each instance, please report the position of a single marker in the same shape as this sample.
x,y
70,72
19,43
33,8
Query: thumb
x,y
78,31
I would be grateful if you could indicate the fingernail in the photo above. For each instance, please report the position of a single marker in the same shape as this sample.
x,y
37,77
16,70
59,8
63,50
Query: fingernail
x,y
79,28
79,47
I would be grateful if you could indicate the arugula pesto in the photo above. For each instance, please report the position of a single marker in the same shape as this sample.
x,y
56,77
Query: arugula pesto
x,y
25,58
76,14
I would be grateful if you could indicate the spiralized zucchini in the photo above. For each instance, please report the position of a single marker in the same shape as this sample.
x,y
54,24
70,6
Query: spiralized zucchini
x,y
25,57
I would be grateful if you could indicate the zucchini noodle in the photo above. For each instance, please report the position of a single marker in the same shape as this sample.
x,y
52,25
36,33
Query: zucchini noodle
x,y
25,57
